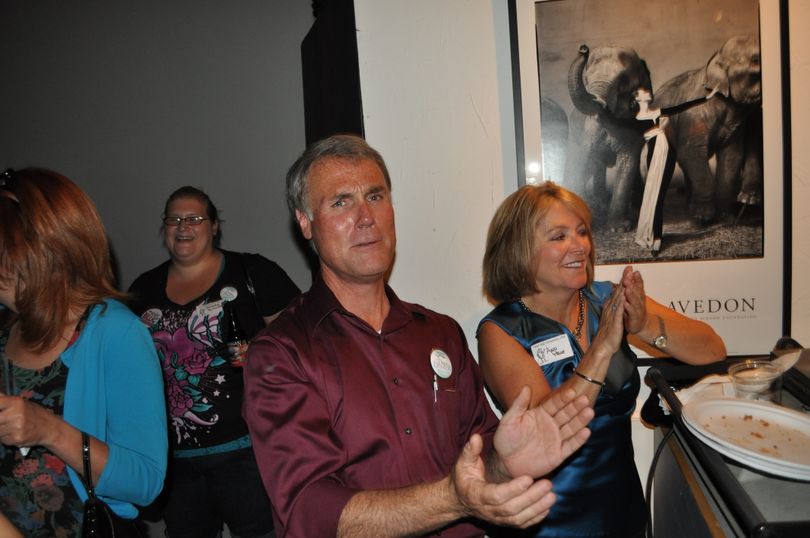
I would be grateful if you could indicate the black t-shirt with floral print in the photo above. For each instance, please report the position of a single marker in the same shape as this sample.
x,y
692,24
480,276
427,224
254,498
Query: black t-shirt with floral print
x,y
203,390
36,494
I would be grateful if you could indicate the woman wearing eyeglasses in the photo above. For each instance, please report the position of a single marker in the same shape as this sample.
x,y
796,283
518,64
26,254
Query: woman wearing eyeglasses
x,y
74,359
190,304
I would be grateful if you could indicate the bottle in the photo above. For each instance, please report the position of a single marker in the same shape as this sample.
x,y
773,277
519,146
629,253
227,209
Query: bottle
x,y
237,343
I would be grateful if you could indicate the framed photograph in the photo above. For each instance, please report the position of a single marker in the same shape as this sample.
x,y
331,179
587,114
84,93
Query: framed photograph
x,y
668,118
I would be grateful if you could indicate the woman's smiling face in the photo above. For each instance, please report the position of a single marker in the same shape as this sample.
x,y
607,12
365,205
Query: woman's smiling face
x,y
561,250
189,243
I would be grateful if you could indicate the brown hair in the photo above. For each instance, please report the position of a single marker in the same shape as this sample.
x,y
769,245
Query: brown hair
x,y
53,251
339,146
508,258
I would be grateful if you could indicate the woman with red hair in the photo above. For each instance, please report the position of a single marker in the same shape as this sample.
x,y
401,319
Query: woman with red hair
x,y
75,361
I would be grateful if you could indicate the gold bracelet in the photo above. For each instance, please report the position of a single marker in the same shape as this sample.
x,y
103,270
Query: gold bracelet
x,y
589,379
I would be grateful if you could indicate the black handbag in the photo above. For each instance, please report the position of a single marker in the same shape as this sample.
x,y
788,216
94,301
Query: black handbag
x,y
99,520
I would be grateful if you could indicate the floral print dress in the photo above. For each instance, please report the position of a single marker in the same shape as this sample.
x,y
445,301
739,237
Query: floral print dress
x,y
35,491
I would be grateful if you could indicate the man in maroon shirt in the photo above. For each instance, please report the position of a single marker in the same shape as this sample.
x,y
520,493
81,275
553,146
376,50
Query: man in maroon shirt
x,y
367,413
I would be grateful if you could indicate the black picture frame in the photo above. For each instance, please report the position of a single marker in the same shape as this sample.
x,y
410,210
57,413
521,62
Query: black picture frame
x,y
712,282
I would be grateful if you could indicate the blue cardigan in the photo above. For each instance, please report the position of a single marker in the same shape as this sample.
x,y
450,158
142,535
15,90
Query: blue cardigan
x,y
114,392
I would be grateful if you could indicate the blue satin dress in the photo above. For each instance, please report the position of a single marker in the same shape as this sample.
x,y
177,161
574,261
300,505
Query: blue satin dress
x,y
598,488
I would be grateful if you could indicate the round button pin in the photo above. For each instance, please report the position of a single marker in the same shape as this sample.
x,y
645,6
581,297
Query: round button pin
x,y
440,363
228,293
151,316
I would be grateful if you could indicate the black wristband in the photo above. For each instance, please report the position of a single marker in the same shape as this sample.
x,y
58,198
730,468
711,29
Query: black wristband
x,y
589,379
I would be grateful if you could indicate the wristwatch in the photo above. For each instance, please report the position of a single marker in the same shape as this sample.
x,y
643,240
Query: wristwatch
x,y
660,341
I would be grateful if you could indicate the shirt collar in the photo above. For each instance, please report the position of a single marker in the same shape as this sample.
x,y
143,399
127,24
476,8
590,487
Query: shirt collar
x,y
321,302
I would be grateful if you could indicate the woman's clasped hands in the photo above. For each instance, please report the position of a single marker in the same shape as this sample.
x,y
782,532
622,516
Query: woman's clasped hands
x,y
24,423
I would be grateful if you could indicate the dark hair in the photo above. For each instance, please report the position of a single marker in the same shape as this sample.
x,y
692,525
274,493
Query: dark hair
x,y
508,266
53,250
349,147
211,210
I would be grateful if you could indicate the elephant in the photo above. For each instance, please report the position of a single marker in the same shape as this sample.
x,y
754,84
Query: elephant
x,y
603,84
716,111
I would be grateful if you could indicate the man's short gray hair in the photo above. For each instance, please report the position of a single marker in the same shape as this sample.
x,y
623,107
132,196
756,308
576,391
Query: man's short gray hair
x,y
337,147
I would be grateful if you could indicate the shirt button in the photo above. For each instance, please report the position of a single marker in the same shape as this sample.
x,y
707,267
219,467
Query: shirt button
x,y
396,381
408,431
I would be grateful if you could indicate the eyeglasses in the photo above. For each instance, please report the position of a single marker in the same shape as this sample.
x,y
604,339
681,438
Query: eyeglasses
x,y
6,178
194,220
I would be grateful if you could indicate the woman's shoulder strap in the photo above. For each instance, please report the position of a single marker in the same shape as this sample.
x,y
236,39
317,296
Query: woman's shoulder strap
x,y
512,319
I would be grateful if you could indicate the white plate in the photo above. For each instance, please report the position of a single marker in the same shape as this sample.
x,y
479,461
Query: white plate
x,y
760,434
743,454
758,429
753,462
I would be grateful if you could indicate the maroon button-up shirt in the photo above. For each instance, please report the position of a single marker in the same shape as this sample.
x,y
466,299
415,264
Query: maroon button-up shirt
x,y
334,407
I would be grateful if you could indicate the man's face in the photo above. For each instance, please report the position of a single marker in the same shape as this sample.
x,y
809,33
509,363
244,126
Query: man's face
x,y
352,222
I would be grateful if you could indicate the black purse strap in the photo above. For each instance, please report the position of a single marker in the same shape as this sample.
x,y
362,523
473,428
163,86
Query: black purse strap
x,y
88,476
249,282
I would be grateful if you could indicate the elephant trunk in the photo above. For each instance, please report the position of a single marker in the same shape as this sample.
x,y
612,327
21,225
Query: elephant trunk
x,y
603,93
583,101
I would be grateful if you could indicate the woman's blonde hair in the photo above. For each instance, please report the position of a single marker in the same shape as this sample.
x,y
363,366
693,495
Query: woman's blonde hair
x,y
509,271
54,253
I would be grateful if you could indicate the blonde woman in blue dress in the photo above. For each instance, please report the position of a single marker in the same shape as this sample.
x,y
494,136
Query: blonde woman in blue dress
x,y
555,327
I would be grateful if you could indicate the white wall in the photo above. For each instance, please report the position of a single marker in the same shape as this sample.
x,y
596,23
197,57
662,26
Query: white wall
x,y
432,101
437,104
134,99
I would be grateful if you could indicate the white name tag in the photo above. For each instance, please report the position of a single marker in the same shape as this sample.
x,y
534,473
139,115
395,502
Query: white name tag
x,y
554,349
